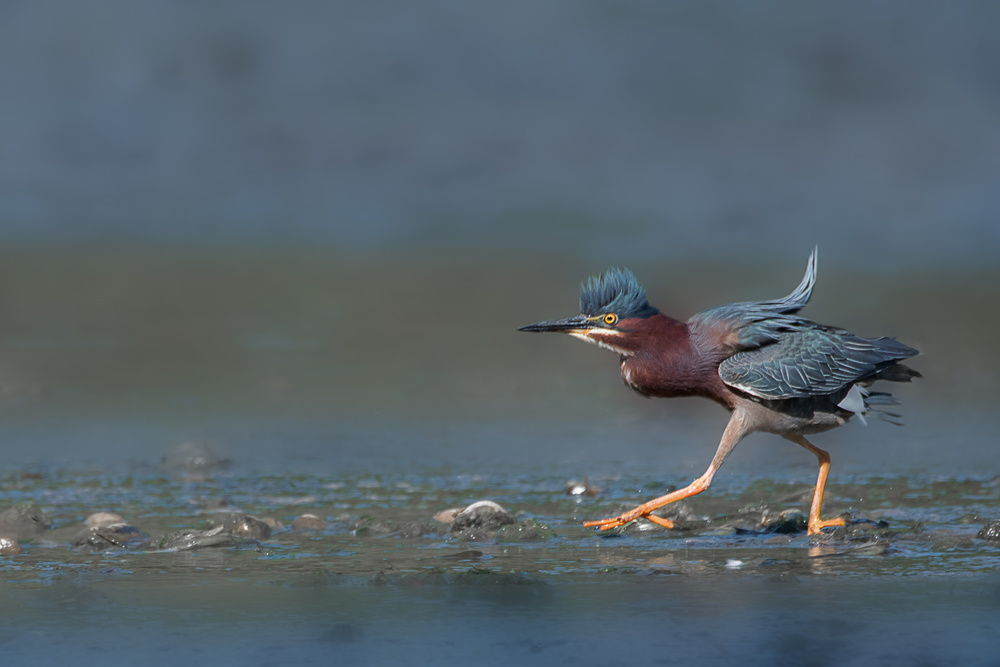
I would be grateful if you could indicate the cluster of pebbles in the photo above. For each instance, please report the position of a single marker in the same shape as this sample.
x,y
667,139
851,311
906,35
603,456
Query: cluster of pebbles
x,y
481,521
103,531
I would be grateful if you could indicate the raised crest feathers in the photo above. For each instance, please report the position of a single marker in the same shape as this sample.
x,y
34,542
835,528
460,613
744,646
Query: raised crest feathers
x,y
616,291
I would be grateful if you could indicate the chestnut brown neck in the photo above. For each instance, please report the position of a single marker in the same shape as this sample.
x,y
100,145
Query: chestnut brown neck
x,y
664,361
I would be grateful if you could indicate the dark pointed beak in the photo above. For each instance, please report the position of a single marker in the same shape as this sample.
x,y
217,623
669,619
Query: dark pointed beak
x,y
567,325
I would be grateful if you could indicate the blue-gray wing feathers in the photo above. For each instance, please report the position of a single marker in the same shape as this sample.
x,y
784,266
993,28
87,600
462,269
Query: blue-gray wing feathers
x,y
778,355
757,323
810,361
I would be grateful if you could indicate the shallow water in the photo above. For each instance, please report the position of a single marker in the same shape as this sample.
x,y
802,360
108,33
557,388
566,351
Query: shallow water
x,y
327,403
922,591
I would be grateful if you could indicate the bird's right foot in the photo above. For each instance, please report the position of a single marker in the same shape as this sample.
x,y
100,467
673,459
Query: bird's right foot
x,y
817,526
628,517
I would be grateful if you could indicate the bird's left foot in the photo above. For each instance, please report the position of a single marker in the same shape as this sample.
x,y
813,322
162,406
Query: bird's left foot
x,y
629,517
817,526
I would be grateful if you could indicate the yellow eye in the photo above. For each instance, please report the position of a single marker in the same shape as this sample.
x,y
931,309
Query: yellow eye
x,y
610,318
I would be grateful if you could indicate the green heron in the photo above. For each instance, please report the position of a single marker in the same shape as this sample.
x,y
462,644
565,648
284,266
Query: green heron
x,y
774,371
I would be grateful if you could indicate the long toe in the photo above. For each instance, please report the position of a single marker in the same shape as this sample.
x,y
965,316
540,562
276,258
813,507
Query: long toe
x,y
605,524
666,523
817,526
628,517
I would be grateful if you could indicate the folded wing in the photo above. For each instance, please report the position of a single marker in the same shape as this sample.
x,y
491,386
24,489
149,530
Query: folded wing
x,y
807,359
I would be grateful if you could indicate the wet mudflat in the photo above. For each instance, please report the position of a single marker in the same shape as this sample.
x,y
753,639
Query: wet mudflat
x,y
376,526
380,579
259,359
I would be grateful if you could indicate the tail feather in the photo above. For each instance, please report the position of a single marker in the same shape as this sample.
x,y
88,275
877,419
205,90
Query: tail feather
x,y
880,398
862,402
897,373
876,402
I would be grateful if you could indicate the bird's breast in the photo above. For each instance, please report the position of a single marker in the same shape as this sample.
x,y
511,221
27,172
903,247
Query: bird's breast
x,y
672,377
651,379
627,377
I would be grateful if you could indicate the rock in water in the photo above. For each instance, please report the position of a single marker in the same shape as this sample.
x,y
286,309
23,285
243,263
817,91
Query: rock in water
x,y
484,514
309,522
115,536
528,530
9,547
448,515
367,526
23,521
480,521
98,519
242,525
584,488
186,540
990,531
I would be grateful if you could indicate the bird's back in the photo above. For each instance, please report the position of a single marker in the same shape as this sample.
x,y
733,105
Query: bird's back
x,y
769,353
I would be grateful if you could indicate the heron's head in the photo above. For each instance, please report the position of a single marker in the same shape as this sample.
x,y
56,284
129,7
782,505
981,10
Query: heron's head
x,y
613,312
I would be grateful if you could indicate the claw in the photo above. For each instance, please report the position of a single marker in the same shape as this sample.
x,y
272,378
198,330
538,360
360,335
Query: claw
x,y
815,527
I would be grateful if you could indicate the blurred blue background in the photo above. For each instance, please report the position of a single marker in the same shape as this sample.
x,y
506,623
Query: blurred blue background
x,y
631,129
343,211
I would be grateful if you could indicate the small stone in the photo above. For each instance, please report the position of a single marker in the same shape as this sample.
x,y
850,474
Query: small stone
x,y
309,522
98,519
242,525
990,531
448,515
484,514
856,531
187,540
785,522
114,536
273,523
584,488
23,521
480,521
366,526
9,547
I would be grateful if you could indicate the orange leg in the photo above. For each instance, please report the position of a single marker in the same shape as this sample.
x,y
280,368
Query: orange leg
x,y
735,431
644,510
815,523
